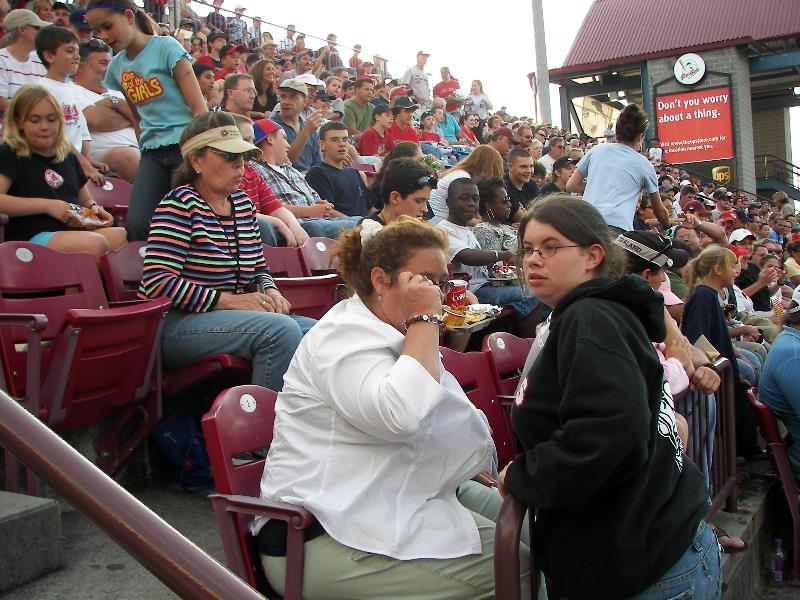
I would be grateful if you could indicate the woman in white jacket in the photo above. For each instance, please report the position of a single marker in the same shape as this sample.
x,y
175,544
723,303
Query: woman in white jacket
x,y
379,442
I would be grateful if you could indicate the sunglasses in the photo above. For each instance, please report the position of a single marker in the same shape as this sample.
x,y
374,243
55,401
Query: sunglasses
x,y
234,156
427,180
96,44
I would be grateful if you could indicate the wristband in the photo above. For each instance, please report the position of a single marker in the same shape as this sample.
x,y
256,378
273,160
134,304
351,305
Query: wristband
x,y
435,319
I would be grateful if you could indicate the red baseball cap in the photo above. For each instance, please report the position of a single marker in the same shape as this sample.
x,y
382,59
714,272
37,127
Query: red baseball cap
x,y
262,129
727,215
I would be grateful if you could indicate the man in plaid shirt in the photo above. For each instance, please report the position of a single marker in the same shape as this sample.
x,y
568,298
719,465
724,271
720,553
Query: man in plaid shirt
x,y
317,216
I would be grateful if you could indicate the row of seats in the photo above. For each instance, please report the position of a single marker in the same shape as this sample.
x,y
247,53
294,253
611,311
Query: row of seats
x,y
241,420
77,348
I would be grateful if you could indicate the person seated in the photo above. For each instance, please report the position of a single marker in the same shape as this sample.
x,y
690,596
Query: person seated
x,y
469,122
204,253
467,256
346,404
377,140
494,207
483,160
447,124
780,386
707,275
563,168
334,181
405,188
316,216
429,130
519,183
40,178
107,114
278,226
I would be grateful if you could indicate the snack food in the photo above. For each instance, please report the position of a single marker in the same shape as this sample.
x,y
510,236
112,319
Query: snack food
x,y
455,316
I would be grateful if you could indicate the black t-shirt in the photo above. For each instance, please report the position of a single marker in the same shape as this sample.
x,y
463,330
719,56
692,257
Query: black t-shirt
x,y
550,188
39,177
343,187
761,299
520,197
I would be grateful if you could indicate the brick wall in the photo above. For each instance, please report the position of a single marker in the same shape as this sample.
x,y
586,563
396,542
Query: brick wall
x,y
725,60
771,133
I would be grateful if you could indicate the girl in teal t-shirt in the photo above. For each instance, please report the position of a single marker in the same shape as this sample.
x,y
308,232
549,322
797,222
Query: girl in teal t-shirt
x,y
155,74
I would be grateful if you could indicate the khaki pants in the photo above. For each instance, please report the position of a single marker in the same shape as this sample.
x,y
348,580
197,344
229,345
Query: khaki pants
x,y
333,571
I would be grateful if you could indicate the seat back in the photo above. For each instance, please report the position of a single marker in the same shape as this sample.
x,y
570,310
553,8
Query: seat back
x,y
318,256
507,354
95,360
3,223
37,280
471,370
122,271
309,296
240,420
284,262
776,448
114,196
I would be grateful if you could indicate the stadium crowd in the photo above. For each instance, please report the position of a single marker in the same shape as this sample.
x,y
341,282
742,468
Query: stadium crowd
x,y
231,138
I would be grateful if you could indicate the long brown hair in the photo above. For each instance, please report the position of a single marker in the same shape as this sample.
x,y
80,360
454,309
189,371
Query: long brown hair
x,y
144,22
483,160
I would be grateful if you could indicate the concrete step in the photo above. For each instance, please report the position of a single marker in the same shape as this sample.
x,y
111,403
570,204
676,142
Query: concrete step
x,y
31,532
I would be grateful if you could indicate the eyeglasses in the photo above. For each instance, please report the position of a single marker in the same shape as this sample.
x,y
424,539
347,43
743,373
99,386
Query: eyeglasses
x,y
547,250
505,199
248,90
234,156
559,146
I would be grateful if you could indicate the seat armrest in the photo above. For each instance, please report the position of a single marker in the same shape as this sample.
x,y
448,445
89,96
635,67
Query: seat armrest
x,y
507,536
296,516
36,324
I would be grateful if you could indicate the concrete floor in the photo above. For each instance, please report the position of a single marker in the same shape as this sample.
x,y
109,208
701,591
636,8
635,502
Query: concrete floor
x,y
97,569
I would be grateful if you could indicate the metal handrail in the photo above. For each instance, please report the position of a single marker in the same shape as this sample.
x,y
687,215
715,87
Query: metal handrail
x,y
769,166
716,455
175,560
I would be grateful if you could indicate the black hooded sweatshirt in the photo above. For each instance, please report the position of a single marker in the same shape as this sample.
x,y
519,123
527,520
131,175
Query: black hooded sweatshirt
x,y
616,501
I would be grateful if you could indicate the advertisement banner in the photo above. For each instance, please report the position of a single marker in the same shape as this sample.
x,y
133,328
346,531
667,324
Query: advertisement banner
x,y
695,126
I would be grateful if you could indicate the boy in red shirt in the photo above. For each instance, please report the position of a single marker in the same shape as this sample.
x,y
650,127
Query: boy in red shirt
x,y
403,109
378,140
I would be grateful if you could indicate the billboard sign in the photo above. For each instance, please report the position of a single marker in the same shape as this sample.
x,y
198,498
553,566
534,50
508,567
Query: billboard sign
x,y
695,126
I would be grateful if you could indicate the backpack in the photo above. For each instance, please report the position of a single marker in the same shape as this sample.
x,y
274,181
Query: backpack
x,y
183,444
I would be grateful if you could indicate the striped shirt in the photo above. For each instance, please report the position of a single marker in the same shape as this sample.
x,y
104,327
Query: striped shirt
x,y
253,185
15,74
193,255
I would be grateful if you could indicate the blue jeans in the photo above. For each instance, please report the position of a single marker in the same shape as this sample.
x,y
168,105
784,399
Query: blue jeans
x,y
329,228
751,368
267,339
512,295
153,181
269,235
696,575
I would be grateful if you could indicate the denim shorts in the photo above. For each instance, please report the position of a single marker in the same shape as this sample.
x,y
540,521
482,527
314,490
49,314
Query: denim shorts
x,y
42,238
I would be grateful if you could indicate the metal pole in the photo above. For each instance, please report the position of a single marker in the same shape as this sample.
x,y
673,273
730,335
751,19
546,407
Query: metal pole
x,y
542,76
176,561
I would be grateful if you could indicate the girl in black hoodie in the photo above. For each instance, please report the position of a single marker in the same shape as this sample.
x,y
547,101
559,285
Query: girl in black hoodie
x,y
618,505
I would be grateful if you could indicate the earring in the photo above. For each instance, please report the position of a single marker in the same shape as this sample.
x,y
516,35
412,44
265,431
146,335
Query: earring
x,y
491,214
380,298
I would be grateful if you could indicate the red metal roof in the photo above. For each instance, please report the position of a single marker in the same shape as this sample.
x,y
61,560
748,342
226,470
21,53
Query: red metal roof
x,y
624,31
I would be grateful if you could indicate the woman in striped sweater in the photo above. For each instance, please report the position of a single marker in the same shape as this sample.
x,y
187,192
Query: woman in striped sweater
x,y
204,253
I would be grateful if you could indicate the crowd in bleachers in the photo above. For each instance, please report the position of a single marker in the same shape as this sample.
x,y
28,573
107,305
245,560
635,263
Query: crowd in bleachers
x,y
239,155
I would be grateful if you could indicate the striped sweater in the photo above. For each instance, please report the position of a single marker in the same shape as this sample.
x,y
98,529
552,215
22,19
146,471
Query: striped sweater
x,y
193,255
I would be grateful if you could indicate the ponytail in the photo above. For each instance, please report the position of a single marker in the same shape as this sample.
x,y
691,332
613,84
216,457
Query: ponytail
x,y
701,267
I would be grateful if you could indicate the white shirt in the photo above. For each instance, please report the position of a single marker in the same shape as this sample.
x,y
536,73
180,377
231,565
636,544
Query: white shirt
x,y
105,140
418,80
15,74
75,128
438,199
372,445
461,238
547,161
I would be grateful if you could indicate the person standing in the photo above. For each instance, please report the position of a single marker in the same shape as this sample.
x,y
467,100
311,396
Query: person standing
x,y
612,176
477,102
447,87
417,79
155,74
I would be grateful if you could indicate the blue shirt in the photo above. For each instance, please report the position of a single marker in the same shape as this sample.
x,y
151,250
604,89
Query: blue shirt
x,y
147,81
779,386
615,176
311,154
449,128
